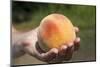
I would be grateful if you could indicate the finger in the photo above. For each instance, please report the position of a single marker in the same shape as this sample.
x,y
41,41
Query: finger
x,y
61,54
39,49
36,51
77,43
69,51
77,40
48,56
65,53
76,29
70,45
62,50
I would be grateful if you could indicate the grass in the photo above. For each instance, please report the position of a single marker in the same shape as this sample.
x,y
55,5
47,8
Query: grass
x,y
82,16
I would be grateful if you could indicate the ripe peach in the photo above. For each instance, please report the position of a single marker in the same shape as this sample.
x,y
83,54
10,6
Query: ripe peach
x,y
55,30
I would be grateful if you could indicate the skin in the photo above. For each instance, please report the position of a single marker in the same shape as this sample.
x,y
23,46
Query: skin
x,y
27,42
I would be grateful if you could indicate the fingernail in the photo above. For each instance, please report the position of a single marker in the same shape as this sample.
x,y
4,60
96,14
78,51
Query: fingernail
x,y
78,39
70,44
64,47
55,50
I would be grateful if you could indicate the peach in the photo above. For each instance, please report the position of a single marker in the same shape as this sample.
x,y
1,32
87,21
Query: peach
x,y
54,31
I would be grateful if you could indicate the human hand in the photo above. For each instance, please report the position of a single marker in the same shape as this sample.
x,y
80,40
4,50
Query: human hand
x,y
66,51
53,55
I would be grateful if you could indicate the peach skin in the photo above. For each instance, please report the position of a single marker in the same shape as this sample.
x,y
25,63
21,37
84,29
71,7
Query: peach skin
x,y
54,31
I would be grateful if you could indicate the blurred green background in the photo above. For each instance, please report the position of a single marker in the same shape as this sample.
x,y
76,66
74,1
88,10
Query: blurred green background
x,y
28,15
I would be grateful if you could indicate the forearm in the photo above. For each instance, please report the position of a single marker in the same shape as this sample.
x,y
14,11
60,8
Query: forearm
x,y
18,43
17,51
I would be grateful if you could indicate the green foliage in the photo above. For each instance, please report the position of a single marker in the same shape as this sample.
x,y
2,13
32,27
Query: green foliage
x,y
81,16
